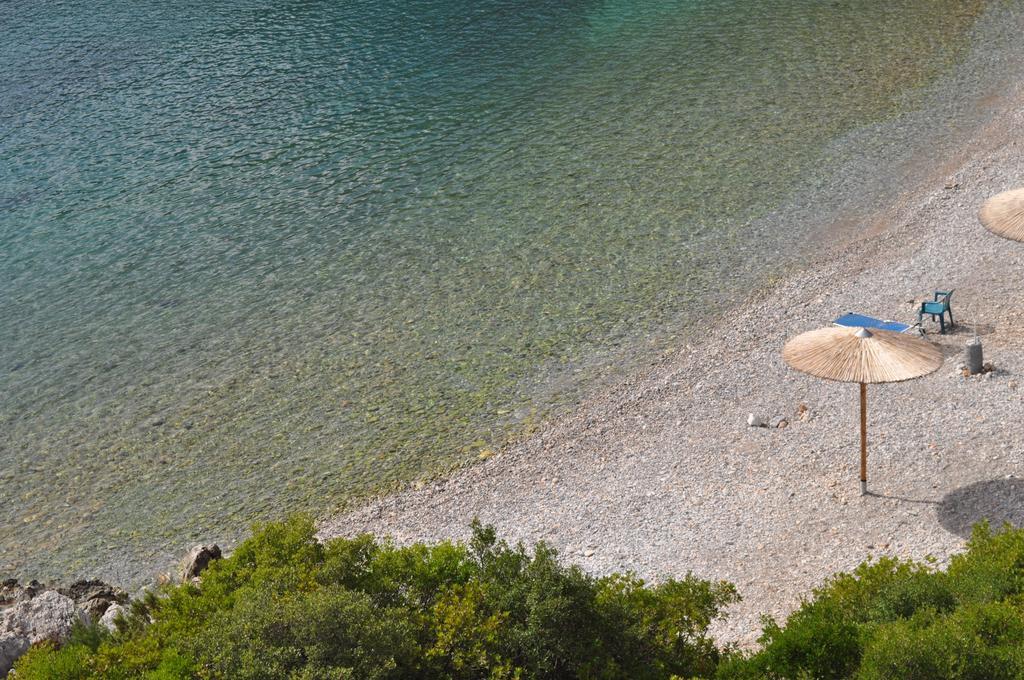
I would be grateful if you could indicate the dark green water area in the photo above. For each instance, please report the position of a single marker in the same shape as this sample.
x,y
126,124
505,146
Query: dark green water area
x,y
266,256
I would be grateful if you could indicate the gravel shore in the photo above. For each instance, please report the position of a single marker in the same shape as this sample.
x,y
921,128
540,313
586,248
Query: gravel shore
x,y
661,474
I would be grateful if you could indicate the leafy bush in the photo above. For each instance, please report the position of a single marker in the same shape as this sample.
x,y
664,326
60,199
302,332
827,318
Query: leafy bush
x,y
899,619
286,606
978,641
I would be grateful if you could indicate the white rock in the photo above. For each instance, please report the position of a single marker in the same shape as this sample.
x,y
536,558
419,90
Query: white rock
x,y
47,616
197,560
11,647
754,421
107,620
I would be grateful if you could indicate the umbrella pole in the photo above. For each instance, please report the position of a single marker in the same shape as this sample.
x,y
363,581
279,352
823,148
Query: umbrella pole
x,y
863,439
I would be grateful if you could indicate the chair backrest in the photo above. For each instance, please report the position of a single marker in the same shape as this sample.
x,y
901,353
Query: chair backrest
x,y
943,296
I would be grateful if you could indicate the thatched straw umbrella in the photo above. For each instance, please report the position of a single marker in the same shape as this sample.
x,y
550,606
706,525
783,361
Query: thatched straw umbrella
x,y
1003,214
862,356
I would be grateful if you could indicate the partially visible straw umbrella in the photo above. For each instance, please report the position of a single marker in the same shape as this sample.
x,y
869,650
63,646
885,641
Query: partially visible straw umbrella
x,y
1003,214
862,356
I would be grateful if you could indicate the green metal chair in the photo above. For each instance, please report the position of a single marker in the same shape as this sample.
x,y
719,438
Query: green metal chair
x,y
939,307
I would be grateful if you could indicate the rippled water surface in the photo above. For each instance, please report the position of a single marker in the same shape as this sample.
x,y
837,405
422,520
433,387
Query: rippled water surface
x,y
260,256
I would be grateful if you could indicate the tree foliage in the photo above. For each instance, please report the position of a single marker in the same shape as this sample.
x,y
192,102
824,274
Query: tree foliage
x,y
287,606
899,619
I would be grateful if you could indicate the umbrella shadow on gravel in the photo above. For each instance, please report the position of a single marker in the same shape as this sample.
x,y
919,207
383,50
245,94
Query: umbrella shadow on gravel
x,y
997,500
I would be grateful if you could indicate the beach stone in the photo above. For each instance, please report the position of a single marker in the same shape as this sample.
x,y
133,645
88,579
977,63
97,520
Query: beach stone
x,y
754,421
47,616
11,591
94,597
198,559
11,648
113,611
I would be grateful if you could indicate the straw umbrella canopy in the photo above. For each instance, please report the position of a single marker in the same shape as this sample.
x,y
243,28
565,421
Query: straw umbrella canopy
x,y
1003,214
862,356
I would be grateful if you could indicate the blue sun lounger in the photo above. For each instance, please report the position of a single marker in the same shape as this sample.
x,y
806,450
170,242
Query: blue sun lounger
x,y
862,321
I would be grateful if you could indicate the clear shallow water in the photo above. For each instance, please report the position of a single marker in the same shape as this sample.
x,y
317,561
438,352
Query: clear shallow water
x,y
261,256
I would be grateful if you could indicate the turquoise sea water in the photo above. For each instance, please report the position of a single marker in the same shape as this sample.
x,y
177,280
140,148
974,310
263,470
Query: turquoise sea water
x,y
258,256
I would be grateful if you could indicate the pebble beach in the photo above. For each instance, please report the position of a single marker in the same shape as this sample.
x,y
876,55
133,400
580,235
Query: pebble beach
x,y
291,281
661,474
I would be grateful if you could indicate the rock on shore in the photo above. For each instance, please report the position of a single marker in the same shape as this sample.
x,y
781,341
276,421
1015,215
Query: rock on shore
x,y
197,560
93,598
33,613
47,616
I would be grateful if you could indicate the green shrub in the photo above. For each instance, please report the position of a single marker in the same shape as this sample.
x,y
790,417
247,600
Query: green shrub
x,y
917,590
71,662
332,630
819,641
898,619
992,568
286,606
977,642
